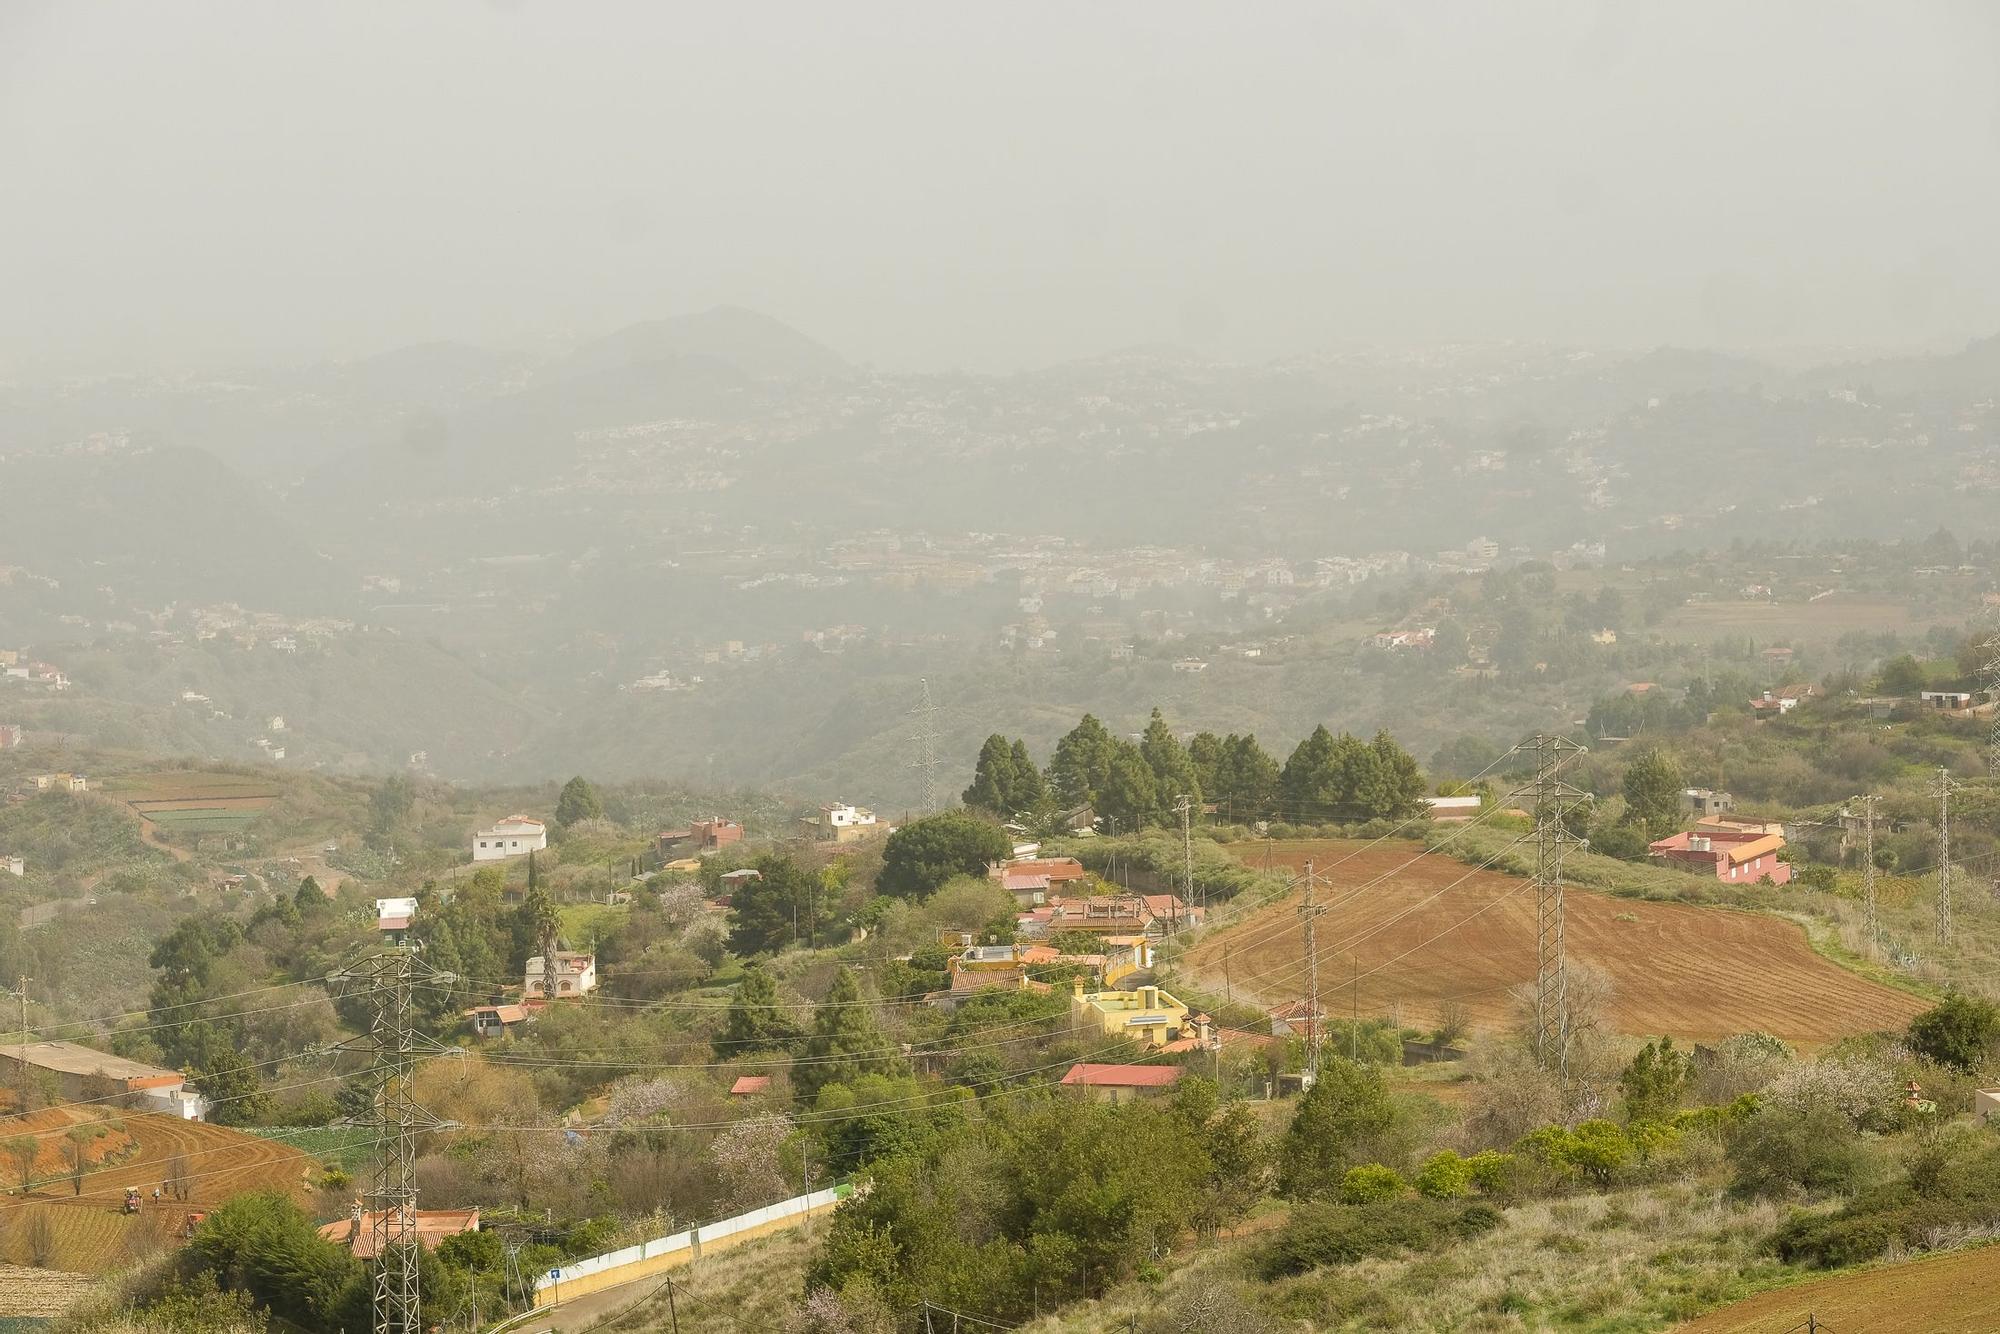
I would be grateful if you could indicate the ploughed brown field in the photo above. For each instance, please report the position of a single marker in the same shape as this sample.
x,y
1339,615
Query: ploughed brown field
x,y
1942,1294
1428,930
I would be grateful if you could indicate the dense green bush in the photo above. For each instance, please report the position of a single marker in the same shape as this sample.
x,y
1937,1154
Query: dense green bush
x,y
1320,1235
1371,1183
1780,1151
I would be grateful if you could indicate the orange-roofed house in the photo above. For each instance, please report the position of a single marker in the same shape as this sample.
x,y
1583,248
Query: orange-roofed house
x,y
1121,1083
357,1230
749,1086
1033,880
1744,858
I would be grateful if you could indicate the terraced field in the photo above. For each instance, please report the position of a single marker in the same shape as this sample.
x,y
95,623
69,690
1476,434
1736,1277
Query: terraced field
x,y
220,1162
1410,931
199,802
1944,1294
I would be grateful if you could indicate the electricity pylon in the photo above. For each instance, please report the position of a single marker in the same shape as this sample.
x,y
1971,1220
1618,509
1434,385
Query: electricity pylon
x,y
1944,787
384,980
1868,869
1554,802
926,761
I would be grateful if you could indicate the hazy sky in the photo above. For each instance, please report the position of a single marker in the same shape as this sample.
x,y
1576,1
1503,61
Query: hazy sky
x,y
992,185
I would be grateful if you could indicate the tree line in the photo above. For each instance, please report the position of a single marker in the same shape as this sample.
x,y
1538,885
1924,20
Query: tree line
x,y
1128,785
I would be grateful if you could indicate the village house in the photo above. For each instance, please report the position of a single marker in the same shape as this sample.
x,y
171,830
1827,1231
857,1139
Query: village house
x,y
1447,810
1733,858
515,836
1033,880
1944,699
1147,1015
1702,801
1121,1083
750,1086
83,1074
840,823
10,735
497,1021
702,837
358,1231
575,975
395,915
15,866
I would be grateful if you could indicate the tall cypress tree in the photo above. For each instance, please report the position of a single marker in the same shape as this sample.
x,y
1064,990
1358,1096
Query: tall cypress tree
x,y
845,1041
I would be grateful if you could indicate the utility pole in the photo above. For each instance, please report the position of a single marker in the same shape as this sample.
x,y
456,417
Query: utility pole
x,y
384,980
673,1312
1868,869
1354,1013
1310,911
1554,801
1944,789
925,742
21,991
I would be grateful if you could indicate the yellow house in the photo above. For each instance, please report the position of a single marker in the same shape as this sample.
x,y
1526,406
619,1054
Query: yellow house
x,y
1148,1015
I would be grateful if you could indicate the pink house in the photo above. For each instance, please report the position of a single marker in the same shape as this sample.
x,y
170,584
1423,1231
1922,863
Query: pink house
x,y
1736,857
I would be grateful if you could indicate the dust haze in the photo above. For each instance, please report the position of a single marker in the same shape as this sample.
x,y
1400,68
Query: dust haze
x,y
198,185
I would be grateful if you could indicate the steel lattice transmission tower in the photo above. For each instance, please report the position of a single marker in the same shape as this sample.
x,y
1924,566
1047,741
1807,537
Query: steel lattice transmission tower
x,y
1992,675
927,761
1944,787
1309,912
384,981
1868,804
1554,803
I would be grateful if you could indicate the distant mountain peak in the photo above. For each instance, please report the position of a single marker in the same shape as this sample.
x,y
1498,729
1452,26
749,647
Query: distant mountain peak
x,y
750,342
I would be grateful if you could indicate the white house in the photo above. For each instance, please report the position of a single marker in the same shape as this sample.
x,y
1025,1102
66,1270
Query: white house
x,y
841,823
515,836
576,975
395,914
17,865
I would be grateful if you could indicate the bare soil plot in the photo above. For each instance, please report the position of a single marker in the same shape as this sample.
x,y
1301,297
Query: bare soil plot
x,y
1828,617
1941,1294
219,1163
1427,930
39,1293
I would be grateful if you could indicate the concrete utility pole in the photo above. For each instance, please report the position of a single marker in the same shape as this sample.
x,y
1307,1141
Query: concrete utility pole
x,y
1309,911
1554,801
925,742
21,992
1869,887
1944,788
384,980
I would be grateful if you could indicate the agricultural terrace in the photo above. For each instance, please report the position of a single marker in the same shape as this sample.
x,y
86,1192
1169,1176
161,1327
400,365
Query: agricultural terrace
x,y
1427,931
197,802
1943,1294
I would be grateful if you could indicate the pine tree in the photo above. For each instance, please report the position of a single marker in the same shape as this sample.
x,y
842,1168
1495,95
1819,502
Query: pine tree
x,y
1081,763
1311,781
994,778
845,1043
1128,796
1206,752
579,801
1250,779
756,1021
1030,793
1173,772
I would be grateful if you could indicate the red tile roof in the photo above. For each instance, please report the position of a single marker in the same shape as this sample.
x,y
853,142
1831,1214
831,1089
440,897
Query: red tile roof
x,y
1122,1076
748,1084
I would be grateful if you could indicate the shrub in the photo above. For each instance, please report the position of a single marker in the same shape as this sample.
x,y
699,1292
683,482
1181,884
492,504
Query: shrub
x,y
1372,1182
1444,1176
1493,1172
1959,1032
1320,1235
1782,1150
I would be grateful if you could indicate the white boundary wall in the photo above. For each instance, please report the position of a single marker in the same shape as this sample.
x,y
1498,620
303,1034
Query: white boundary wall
x,y
604,1271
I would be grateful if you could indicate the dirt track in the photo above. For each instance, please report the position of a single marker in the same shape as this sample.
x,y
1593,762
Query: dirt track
x,y
1692,972
1945,1294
